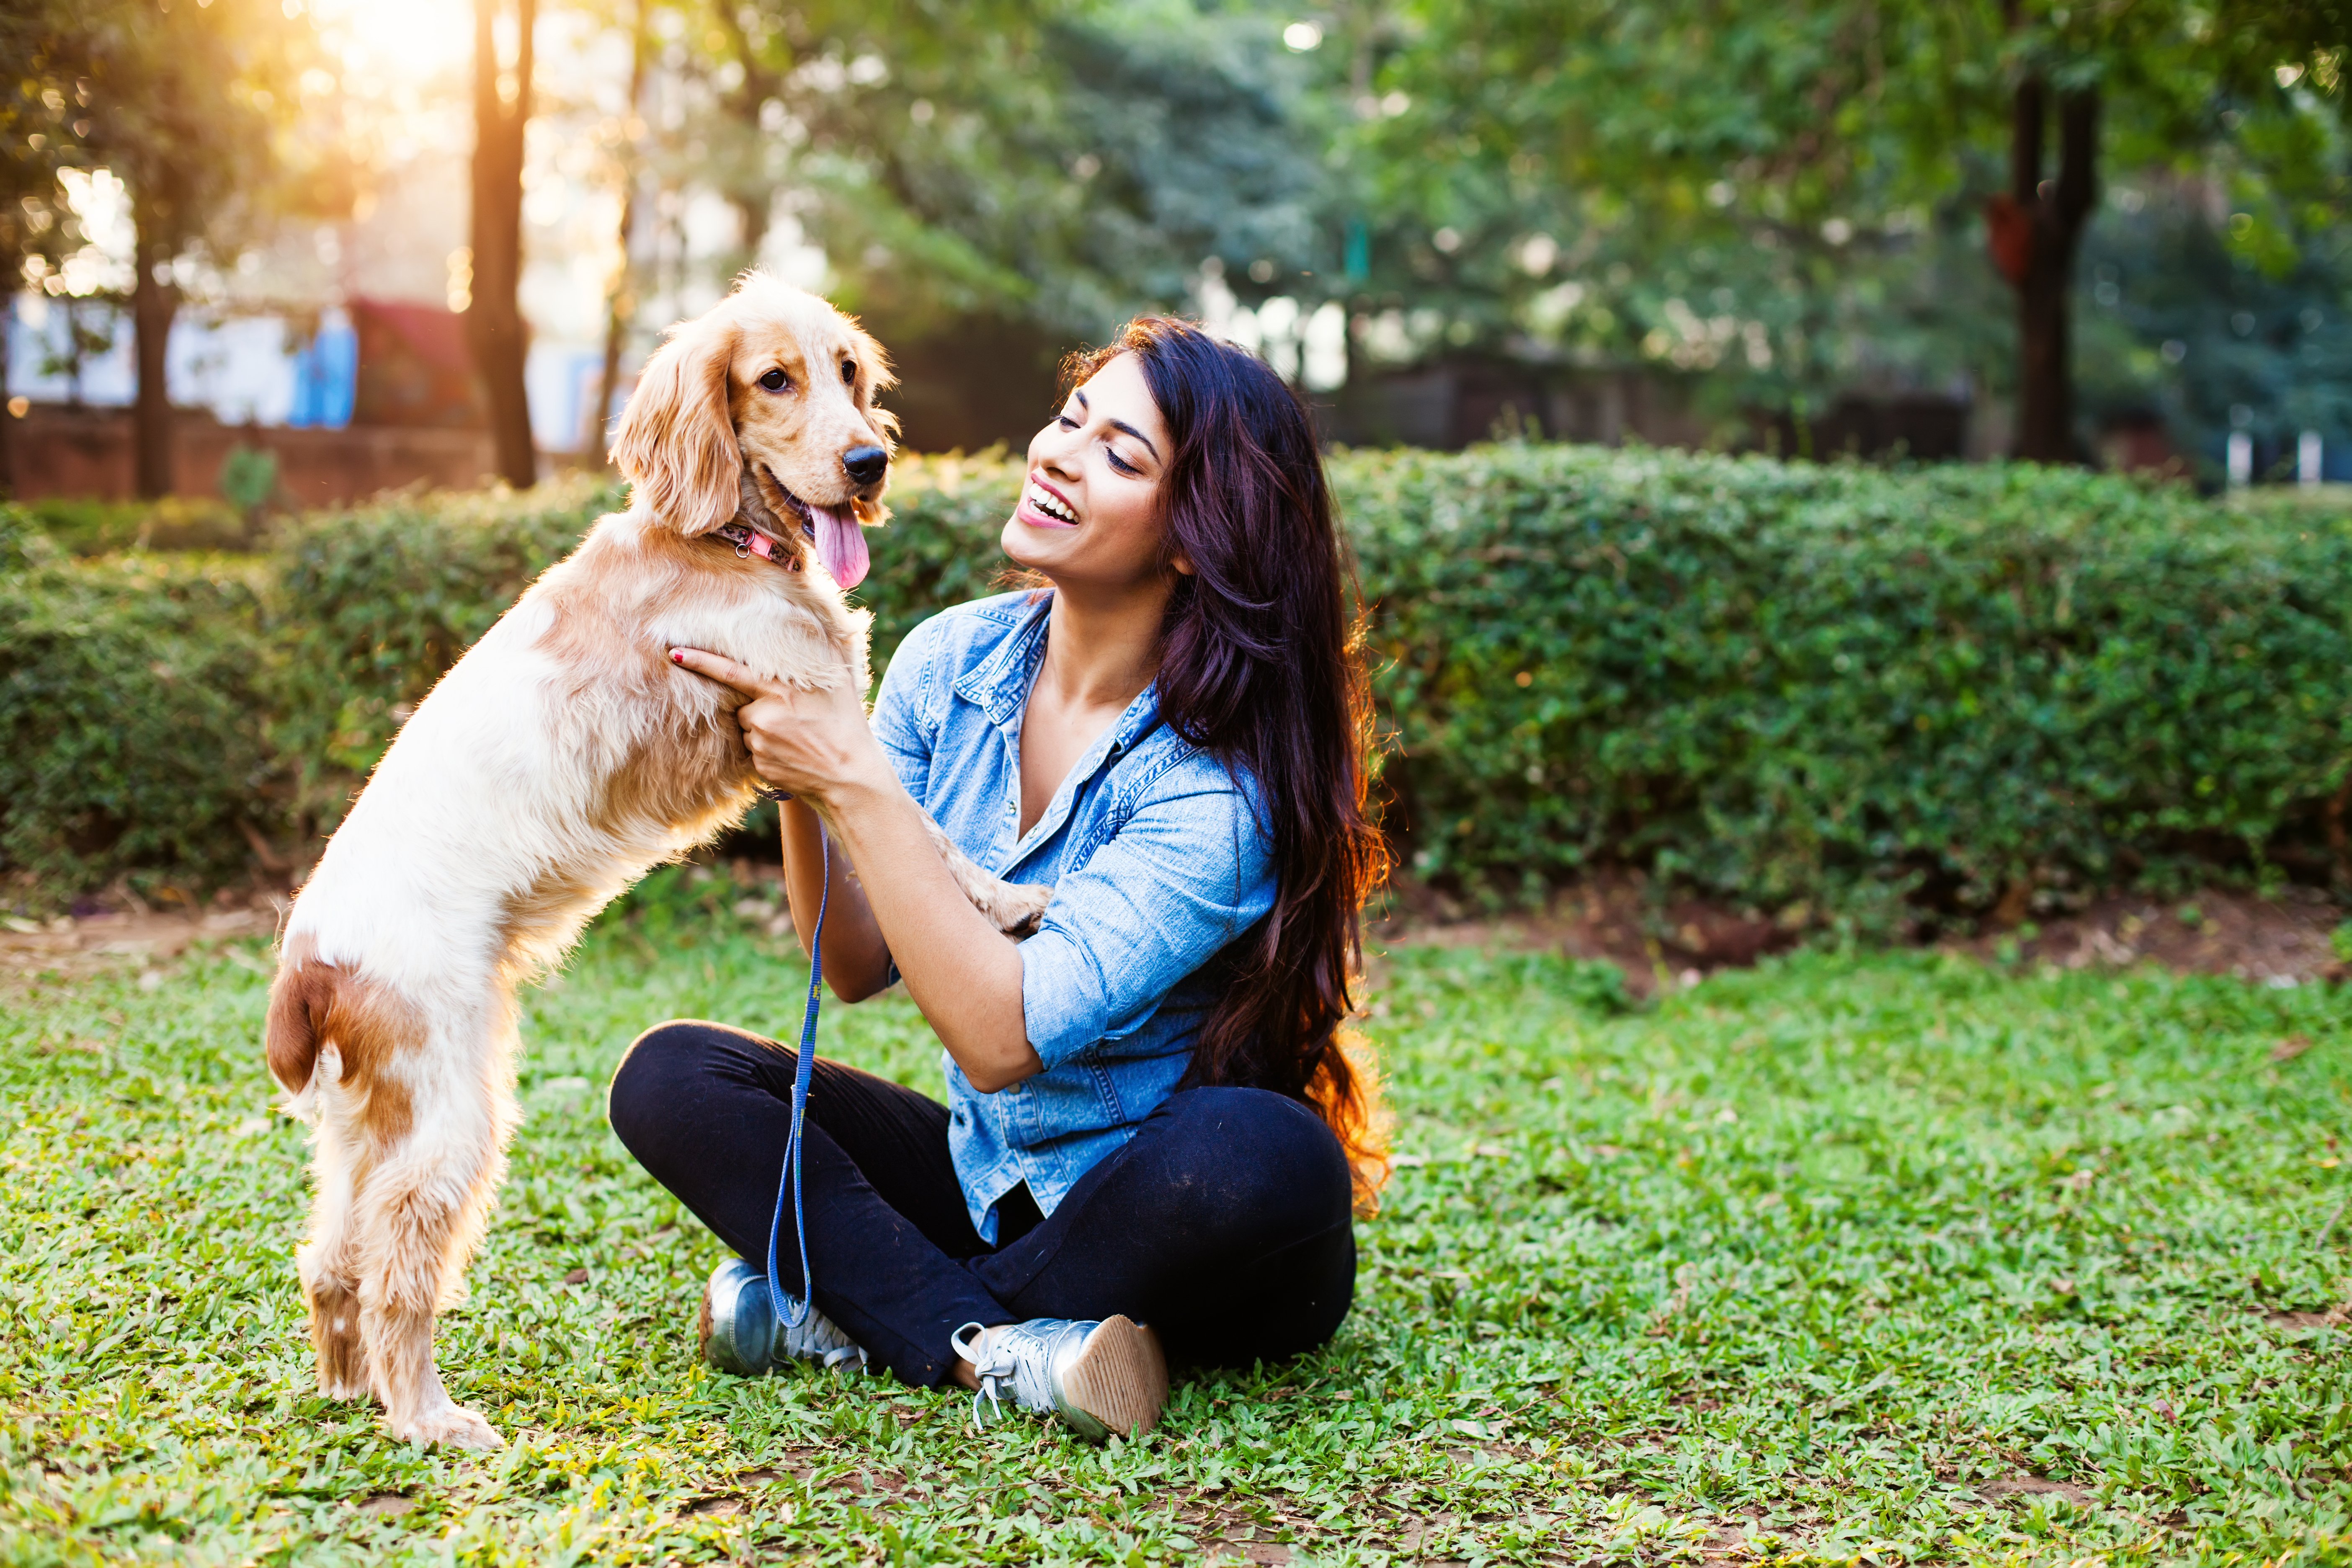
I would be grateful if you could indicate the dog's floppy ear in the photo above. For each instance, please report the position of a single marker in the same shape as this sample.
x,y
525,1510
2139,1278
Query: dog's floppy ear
x,y
677,443
878,378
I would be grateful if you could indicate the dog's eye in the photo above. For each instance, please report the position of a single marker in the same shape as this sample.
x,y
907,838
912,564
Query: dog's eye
x,y
849,372
775,381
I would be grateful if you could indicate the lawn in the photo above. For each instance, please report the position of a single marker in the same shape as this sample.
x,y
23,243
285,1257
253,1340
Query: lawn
x,y
1894,1258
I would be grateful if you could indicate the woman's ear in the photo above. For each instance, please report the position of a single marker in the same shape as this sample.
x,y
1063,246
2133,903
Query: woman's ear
x,y
677,443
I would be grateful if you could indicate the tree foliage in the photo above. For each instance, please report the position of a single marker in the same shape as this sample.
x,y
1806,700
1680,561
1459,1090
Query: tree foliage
x,y
1791,197
1066,163
209,114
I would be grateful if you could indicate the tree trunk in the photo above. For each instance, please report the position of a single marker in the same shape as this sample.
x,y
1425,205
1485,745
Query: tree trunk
x,y
760,84
621,302
10,267
2050,216
494,324
154,302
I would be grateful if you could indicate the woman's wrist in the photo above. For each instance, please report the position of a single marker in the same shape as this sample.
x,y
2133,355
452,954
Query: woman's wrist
x,y
852,790
855,795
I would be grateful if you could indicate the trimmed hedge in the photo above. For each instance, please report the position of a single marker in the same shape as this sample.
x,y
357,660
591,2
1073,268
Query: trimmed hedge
x,y
370,606
1784,682
1871,694
131,715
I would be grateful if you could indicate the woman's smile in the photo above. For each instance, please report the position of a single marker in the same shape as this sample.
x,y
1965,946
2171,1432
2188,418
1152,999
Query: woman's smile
x,y
1089,517
1042,506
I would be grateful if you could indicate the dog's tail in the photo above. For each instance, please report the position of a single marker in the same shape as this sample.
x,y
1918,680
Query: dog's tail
x,y
331,1025
298,1000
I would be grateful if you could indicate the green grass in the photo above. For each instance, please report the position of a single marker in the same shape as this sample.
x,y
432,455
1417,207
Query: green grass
x,y
1802,1263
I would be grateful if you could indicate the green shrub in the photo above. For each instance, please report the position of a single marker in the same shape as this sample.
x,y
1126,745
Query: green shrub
x,y
1789,682
1869,693
24,542
130,716
85,527
370,604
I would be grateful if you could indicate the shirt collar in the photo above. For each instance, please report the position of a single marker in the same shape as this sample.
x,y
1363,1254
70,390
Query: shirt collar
x,y
999,684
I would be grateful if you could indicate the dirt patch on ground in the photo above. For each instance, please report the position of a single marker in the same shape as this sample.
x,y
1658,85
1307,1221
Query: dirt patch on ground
x,y
73,947
2285,941
2034,1486
2214,932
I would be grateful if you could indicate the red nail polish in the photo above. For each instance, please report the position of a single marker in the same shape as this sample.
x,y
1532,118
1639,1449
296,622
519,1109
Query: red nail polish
x,y
676,657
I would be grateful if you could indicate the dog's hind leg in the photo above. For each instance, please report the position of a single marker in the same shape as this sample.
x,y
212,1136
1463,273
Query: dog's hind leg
x,y
421,1211
329,1263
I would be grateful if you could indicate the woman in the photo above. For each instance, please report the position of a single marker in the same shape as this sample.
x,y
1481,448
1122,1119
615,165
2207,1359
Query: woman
x,y
1152,1137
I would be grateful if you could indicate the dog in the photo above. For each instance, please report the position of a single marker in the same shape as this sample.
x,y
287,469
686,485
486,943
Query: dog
x,y
560,760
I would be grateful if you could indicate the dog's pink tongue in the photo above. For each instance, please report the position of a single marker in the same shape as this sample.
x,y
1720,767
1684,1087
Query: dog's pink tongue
x,y
840,545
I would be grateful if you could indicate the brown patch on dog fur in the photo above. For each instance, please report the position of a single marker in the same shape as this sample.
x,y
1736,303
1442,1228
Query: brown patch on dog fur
x,y
313,1004
688,770
335,1335
536,922
674,442
674,765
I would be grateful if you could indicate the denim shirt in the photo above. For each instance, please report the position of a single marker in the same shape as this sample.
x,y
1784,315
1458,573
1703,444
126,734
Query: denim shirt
x,y
1157,860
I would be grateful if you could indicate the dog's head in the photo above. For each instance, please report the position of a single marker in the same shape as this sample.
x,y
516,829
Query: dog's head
x,y
774,385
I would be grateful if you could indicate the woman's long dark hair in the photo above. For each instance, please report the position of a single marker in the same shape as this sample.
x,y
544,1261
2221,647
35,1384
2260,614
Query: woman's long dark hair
x,y
1261,667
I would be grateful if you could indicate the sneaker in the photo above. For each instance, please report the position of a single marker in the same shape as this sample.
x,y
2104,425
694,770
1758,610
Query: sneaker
x,y
740,1333
1101,1377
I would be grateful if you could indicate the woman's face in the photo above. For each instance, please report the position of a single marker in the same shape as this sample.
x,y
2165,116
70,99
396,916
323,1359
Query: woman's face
x,y
1089,512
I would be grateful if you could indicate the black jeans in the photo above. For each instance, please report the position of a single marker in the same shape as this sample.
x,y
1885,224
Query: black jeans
x,y
1223,1223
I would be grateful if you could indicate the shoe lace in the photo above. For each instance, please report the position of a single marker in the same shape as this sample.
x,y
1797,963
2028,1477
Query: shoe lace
x,y
818,1338
1018,1354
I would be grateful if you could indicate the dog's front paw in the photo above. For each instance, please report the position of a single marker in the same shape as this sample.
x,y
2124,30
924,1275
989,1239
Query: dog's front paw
x,y
1018,909
451,1424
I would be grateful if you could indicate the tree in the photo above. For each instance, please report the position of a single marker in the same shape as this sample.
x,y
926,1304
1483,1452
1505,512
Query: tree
x,y
42,120
194,108
494,323
1070,162
2172,71
1801,174
2033,228
2185,332
620,296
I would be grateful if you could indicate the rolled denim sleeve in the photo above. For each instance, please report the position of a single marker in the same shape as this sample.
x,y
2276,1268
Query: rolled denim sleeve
x,y
1183,876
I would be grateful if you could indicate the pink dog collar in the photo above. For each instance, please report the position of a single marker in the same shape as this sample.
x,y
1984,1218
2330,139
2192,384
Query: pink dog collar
x,y
749,540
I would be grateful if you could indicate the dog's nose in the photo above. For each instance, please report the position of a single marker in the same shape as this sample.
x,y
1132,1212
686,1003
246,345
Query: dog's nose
x,y
866,464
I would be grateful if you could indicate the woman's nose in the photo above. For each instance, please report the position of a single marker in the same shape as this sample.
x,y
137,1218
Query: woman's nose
x,y
1057,449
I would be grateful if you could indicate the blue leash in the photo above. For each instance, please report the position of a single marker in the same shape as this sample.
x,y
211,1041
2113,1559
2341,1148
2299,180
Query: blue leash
x,y
801,1068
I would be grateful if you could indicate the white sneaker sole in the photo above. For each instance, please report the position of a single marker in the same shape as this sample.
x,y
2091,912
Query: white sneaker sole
x,y
1120,1378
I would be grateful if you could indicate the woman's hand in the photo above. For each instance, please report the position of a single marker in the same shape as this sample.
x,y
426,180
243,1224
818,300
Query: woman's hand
x,y
814,744
960,970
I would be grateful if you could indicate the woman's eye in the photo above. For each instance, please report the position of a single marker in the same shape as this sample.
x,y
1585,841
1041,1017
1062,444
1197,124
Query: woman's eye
x,y
849,372
1118,463
1065,422
775,381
